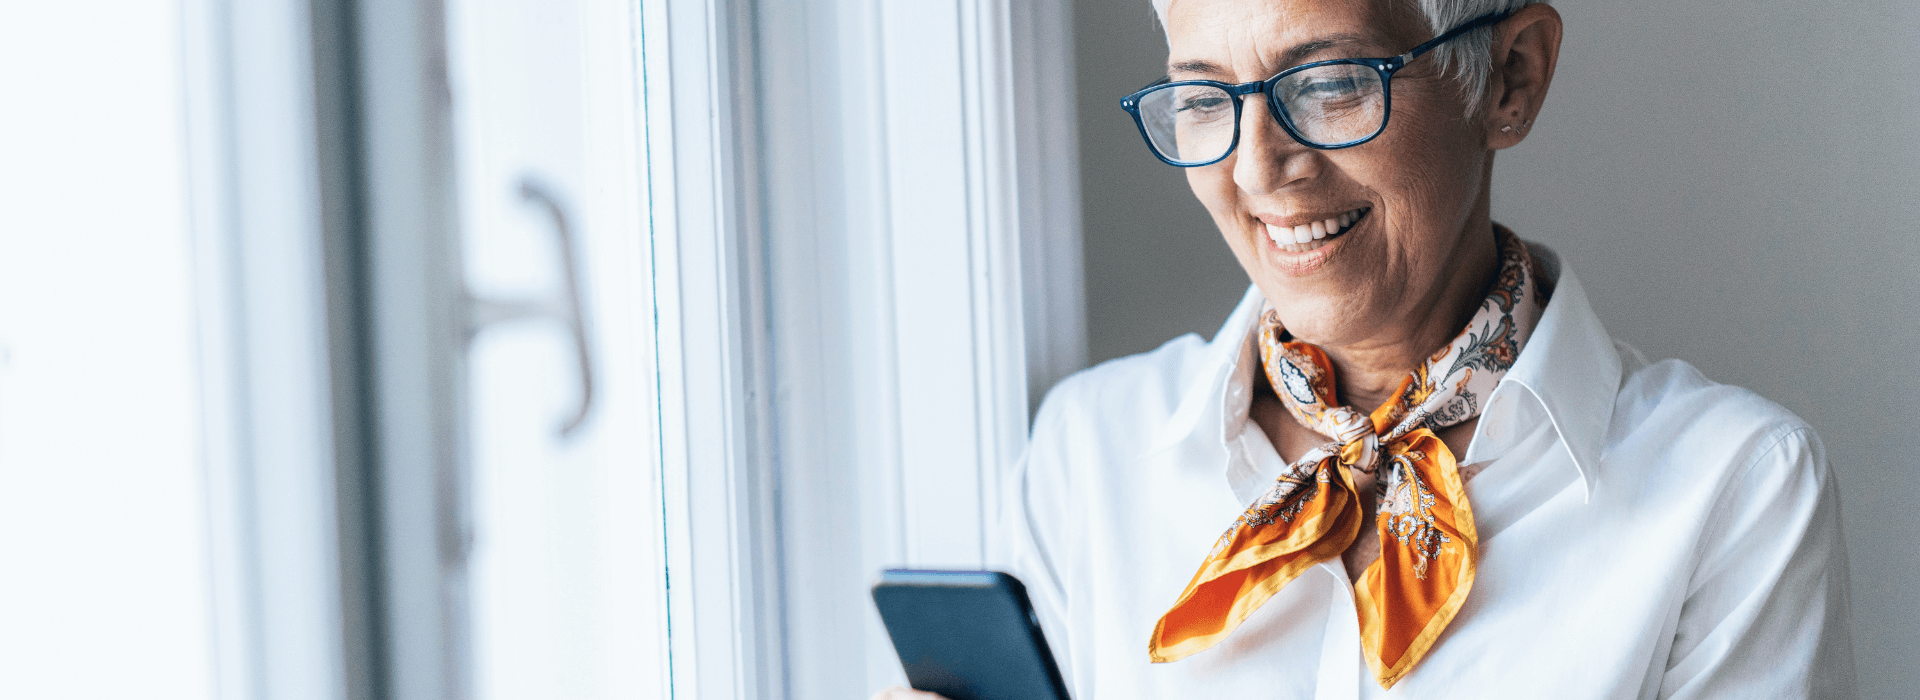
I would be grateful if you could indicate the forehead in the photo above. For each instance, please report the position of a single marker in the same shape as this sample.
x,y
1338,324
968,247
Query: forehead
x,y
1252,39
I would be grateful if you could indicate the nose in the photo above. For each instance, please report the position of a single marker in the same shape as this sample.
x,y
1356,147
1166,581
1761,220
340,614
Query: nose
x,y
1268,159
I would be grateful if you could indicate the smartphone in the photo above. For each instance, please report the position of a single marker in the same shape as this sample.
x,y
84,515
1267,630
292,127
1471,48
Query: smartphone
x,y
967,635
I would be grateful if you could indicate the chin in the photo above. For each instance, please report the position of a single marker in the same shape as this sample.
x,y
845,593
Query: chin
x,y
1326,321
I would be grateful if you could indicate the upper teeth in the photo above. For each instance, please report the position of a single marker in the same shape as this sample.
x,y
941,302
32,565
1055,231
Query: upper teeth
x,y
1312,231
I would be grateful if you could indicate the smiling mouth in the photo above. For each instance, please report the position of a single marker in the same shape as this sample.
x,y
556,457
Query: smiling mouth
x,y
1307,237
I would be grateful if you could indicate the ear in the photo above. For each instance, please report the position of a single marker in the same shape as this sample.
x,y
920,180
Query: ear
x,y
1525,48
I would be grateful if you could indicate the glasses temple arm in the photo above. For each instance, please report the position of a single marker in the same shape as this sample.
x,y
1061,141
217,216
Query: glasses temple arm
x,y
1477,23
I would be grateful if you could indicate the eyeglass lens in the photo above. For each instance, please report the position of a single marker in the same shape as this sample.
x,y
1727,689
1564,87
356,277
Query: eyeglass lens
x,y
1327,106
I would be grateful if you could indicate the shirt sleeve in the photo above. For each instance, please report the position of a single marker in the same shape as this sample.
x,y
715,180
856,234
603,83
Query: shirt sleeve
x,y
1021,530
1767,613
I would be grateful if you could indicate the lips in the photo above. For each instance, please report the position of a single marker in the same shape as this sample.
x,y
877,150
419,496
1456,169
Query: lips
x,y
1309,236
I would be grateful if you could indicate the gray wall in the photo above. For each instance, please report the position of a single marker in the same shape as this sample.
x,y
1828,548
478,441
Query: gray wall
x,y
1155,265
1736,183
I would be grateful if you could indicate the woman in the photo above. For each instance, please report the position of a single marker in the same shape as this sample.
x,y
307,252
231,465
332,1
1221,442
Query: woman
x,y
1436,474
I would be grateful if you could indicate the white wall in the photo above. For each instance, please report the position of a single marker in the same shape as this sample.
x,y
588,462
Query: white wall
x,y
1735,183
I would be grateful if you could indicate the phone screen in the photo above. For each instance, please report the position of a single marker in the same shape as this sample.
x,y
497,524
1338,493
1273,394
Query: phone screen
x,y
967,635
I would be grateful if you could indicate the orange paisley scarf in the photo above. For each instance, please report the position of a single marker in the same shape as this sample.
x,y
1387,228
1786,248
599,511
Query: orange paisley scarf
x,y
1313,512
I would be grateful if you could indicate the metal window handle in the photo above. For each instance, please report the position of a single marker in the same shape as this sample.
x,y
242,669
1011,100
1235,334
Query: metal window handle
x,y
567,308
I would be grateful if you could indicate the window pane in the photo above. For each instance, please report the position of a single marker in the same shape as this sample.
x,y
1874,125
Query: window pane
x,y
566,576
101,515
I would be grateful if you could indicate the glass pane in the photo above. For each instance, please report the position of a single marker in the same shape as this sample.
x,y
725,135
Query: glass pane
x,y
102,526
1334,104
1189,123
566,575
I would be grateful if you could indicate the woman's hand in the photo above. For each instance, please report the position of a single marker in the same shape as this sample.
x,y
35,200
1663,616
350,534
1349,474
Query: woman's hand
x,y
907,694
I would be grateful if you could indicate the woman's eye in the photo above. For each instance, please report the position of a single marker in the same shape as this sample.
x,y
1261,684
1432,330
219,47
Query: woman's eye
x,y
1324,89
1203,105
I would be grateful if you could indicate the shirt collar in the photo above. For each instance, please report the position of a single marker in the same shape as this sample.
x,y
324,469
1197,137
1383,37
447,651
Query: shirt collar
x,y
1569,367
1205,400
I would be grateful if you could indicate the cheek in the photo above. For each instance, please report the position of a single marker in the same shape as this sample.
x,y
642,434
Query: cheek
x,y
1213,186
1429,173
1445,150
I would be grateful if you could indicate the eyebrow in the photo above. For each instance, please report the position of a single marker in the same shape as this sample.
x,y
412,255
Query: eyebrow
x,y
1292,57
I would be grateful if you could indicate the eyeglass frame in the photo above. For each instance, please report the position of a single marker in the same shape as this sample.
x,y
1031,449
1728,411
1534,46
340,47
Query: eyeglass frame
x,y
1386,67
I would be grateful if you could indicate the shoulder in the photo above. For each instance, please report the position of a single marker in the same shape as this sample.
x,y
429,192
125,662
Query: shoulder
x,y
1128,393
1671,418
1113,412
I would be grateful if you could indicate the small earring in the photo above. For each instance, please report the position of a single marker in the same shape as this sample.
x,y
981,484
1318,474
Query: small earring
x,y
1508,129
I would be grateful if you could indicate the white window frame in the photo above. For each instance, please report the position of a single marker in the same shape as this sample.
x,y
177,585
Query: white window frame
x,y
921,248
865,249
724,639
266,382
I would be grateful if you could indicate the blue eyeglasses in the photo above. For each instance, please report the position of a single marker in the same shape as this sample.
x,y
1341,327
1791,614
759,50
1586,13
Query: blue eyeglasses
x,y
1325,104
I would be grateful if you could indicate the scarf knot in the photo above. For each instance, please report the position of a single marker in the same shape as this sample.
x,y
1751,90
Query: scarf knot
x,y
1313,512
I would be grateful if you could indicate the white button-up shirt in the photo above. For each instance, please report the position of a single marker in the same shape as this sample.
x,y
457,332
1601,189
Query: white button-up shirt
x,y
1644,532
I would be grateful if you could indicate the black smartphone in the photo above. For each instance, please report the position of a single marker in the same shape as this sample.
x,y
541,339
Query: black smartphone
x,y
968,635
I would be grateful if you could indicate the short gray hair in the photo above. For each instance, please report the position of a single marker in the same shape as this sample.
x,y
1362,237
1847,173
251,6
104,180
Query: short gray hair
x,y
1469,57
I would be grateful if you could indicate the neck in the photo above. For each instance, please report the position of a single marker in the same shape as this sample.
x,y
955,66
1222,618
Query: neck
x,y
1367,373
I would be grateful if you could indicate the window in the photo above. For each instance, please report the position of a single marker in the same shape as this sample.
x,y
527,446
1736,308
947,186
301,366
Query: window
x,y
512,348
102,530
